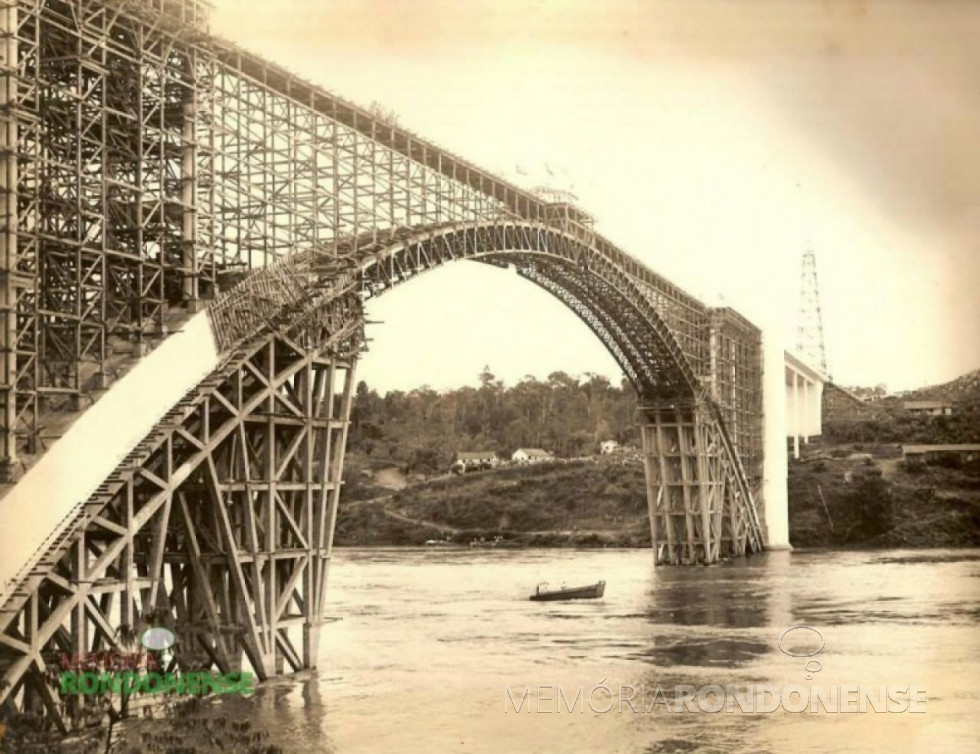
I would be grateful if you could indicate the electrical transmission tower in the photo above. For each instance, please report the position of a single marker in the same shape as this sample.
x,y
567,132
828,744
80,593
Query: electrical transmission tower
x,y
809,331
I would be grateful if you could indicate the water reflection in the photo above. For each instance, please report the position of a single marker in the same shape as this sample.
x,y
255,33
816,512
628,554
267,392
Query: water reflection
x,y
707,653
724,599
718,596
293,710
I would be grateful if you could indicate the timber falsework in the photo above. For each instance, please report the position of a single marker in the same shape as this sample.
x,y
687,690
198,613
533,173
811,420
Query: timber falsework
x,y
146,165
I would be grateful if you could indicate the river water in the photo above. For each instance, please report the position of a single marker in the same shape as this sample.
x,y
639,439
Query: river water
x,y
435,647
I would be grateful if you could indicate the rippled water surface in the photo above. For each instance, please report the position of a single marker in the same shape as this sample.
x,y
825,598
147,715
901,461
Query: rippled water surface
x,y
431,640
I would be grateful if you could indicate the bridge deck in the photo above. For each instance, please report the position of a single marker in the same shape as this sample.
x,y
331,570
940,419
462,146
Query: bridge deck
x,y
38,506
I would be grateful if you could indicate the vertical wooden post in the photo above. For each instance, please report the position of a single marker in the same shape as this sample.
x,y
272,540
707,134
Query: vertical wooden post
x,y
323,514
189,261
704,484
311,632
128,561
689,486
666,485
8,234
337,464
654,490
79,624
686,476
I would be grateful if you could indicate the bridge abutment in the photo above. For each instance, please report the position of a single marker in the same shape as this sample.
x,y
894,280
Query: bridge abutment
x,y
776,464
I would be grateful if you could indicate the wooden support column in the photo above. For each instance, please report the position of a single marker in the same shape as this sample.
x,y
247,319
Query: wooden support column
x,y
655,490
689,486
311,632
128,561
189,261
78,622
337,408
700,466
694,513
318,546
8,236
668,497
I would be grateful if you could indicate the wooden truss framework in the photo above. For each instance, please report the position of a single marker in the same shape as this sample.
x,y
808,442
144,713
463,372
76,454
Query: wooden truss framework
x,y
140,161
219,524
97,131
700,508
695,467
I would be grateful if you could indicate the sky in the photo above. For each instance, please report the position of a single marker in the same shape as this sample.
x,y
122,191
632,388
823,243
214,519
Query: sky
x,y
712,139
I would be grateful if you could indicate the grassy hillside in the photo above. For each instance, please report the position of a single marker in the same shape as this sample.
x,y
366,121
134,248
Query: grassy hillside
x,y
577,503
887,421
841,496
964,390
855,495
851,490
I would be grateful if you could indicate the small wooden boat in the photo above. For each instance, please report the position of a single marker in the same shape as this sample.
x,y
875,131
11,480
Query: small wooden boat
x,y
591,592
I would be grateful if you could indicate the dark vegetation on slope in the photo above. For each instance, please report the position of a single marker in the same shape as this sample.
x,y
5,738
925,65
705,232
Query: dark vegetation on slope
x,y
579,503
851,489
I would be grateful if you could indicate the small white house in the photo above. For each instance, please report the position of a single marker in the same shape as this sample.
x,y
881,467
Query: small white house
x,y
608,446
467,461
929,408
531,455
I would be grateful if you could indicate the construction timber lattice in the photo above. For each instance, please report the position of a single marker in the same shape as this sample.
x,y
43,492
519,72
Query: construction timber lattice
x,y
148,167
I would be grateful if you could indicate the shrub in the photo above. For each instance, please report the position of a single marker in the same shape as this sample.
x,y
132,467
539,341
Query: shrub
x,y
869,505
947,460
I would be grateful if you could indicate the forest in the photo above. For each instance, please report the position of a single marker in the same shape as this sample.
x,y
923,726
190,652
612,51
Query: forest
x,y
421,430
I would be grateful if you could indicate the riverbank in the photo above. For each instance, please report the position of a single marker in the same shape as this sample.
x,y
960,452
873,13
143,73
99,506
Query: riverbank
x,y
839,496
574,504
866,496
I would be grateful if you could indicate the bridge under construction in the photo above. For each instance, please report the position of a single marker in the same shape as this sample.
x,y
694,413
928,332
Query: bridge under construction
x,y
189,233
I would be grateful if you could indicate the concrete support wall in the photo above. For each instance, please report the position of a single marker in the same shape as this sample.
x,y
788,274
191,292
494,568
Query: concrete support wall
x,y
775,469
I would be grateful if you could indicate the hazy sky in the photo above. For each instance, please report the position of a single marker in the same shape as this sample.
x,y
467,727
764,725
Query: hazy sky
x,y
712,139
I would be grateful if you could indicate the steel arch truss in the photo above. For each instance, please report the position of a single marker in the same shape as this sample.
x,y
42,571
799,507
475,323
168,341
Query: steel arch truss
x,y
220,523
700,497
613,303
